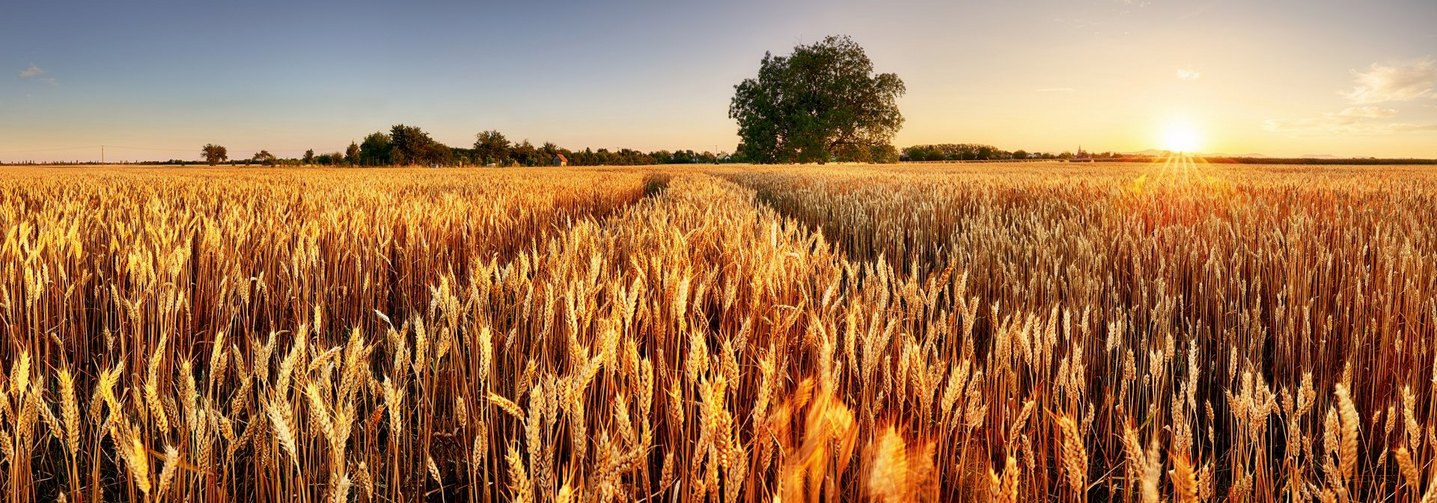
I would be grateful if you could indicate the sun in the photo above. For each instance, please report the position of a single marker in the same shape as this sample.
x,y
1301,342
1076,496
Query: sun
x,y
1181,136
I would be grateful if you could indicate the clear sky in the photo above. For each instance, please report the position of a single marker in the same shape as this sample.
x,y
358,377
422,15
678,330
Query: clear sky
x,y
158,79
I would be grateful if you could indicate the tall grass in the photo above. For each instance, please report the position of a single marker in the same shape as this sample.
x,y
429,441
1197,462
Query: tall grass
x,y
1004,334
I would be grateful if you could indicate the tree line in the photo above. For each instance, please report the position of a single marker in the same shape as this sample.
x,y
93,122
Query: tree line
x,y
981,152
406,145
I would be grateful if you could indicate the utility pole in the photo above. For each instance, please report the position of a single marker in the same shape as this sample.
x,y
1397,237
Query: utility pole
x,y
102,154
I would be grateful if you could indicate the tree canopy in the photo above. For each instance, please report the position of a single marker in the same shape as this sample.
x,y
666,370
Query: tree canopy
x,y
821,103
491,147
374,150
351,154
214,154
412,145
265,158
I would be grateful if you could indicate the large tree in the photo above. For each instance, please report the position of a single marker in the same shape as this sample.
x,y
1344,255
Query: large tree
x,y
821,103
214,154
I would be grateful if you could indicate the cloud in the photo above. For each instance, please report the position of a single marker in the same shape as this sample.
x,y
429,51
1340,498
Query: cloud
x,y
34,72
1364,121
1381,83
1404,81
1329,126
31,72
1410,128
1367,112
1188,74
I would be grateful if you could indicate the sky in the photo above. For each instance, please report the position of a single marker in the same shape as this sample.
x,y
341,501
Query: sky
x,y
157,79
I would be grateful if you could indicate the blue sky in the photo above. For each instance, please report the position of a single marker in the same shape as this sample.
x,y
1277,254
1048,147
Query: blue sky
x,y
157,79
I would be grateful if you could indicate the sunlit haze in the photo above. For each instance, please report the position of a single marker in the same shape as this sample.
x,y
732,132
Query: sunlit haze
x,y
158,79
1181,136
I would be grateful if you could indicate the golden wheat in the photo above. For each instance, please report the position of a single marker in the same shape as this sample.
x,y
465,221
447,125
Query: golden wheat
x,y
959,333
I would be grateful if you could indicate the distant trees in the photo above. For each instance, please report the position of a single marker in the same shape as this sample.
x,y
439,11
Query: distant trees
x,y
403,145
684,157
331,159
491,147
954,152
980,152
524,154
214,154
375,150
409,145
351,154
264,157
819,104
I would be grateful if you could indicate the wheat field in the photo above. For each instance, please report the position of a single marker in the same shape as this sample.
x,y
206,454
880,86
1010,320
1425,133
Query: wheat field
x,y
996,332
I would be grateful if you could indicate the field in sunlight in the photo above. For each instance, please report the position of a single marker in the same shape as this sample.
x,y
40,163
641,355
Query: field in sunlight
x,y
950,332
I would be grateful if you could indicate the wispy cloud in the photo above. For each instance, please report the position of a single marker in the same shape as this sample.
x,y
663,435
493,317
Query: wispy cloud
x,y
1403,81
34,72
1379,84
1362,120
1188,74
31,72
1324,126
1366,112
1411,128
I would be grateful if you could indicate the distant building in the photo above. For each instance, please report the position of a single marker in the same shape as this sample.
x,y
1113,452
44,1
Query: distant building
x,y
560,160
